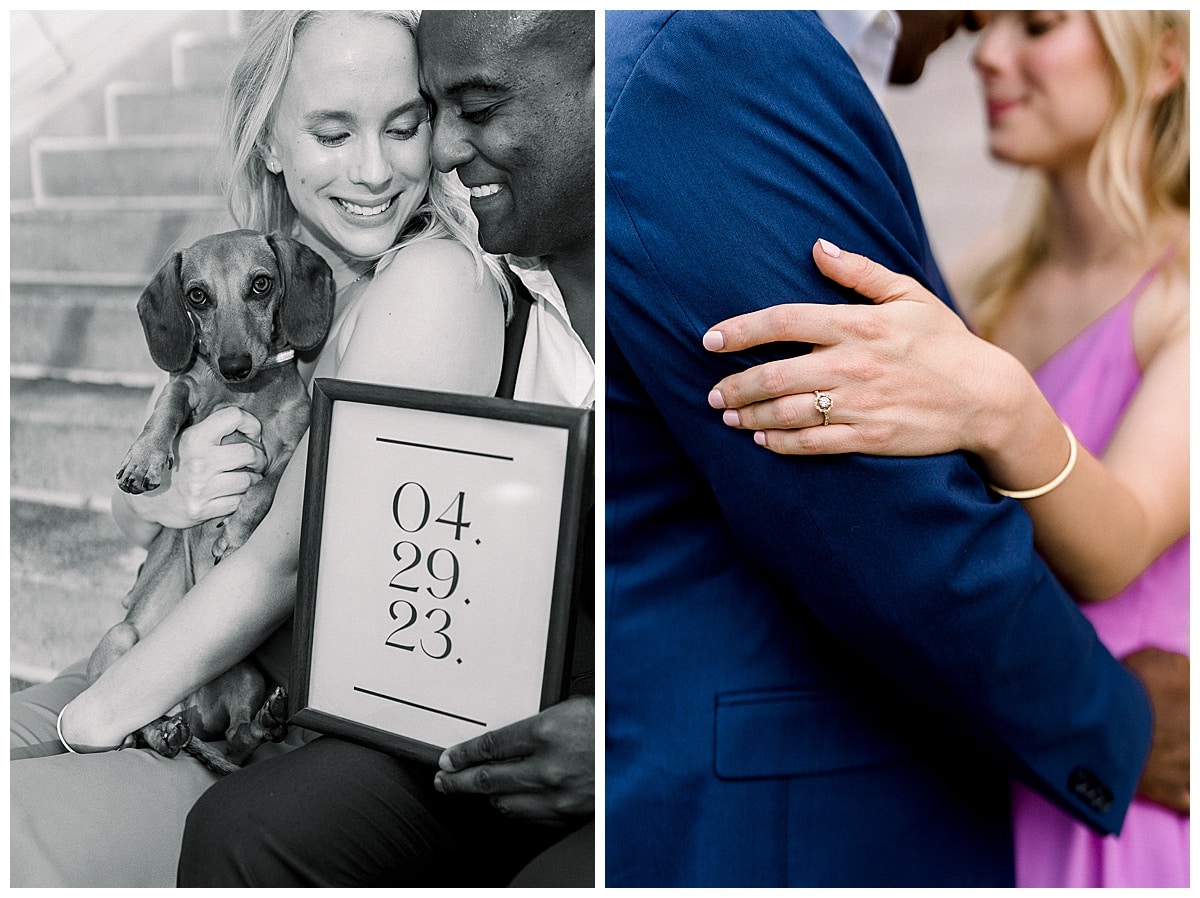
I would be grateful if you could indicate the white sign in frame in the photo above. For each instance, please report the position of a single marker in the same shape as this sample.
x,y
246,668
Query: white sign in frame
x,y
437,558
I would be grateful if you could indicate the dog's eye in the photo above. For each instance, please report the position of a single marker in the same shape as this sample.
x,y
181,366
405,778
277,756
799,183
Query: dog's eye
x,y
197,297
261,284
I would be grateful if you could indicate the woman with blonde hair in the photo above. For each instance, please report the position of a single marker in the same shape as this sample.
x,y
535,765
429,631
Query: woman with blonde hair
x,y
1089,293
328,140
259,199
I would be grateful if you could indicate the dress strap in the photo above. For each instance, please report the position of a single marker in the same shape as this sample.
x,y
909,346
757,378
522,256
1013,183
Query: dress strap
x,y
1151,273
514,336
1168,255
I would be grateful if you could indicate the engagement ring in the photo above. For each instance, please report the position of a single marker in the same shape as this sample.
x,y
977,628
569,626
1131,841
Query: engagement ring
x,y
824,403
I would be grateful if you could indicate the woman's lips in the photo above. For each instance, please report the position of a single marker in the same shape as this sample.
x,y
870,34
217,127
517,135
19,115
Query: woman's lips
x,y
997,108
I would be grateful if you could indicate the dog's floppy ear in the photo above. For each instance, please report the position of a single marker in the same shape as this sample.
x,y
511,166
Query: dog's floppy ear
x,y
306,309
169,331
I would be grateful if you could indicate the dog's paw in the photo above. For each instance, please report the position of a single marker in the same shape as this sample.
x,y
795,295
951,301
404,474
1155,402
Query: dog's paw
x,y
167,735
233,537
277,710
142,470
272,717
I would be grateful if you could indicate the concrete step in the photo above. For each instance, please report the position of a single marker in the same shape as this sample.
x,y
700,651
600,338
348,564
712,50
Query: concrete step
x,y
142,166
203,59
108,238
70,569
134,109
70,438
61,64
131,45
79,326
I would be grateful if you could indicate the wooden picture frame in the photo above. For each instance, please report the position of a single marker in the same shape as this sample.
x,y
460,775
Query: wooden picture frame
x,y
438,554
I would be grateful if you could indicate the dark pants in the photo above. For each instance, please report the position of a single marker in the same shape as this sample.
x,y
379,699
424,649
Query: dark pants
x,y
333,813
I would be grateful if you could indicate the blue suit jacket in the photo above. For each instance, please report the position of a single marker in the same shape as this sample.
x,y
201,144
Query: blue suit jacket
x,y
819,670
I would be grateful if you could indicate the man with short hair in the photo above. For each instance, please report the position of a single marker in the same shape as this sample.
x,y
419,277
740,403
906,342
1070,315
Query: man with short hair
x,y
514,115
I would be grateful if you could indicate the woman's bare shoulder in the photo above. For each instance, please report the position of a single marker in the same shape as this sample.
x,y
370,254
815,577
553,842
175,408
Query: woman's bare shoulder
x,y
433,261
440,269
428,319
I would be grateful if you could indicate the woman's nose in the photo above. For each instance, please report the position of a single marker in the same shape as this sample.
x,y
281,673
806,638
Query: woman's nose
x,y
991,48
374,168
451,148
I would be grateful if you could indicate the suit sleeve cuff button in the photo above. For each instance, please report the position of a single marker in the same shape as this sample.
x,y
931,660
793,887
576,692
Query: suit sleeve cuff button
x,y
1086,786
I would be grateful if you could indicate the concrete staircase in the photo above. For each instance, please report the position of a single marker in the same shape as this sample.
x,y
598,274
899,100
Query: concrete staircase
x,y
94,212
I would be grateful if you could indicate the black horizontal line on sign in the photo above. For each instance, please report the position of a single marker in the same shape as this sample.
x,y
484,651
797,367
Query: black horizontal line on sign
x,y
392,698
444,449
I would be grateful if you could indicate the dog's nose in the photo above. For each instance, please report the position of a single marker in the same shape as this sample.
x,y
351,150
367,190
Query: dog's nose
x,y
235,367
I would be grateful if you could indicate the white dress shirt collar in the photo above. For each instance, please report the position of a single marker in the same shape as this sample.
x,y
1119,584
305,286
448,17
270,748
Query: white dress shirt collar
x,y
869,36
555,365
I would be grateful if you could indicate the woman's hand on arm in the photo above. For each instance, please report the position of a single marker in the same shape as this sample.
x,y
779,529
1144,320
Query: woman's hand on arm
x,y
905,376
206,480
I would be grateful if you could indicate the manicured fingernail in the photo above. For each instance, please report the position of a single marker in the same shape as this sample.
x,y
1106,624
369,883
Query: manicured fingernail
x,y
731,417
714,341
831,249
715,399
760,438
437,782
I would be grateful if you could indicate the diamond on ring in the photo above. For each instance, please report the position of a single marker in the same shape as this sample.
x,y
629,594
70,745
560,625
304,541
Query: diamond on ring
x,y
824,403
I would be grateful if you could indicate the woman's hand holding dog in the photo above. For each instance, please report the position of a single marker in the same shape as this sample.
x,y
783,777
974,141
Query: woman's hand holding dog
x,y
206,480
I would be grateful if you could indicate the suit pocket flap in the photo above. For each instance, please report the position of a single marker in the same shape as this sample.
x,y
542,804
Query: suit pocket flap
x,y
783,733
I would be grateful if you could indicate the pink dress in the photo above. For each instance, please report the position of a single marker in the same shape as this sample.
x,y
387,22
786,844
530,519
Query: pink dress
x,y
1090,382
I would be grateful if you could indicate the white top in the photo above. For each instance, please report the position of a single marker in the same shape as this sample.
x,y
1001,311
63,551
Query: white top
x,y
870,37
556,367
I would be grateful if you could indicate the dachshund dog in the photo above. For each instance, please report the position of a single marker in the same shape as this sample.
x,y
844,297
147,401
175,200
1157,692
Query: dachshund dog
x,y
224,317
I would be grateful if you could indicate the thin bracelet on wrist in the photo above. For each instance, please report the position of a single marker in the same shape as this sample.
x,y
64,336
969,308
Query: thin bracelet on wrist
x,y
58,729
67,745
1042,490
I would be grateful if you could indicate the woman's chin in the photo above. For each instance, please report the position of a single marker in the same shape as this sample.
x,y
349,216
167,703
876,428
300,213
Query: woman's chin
x,y
1002,151
355,243
370,249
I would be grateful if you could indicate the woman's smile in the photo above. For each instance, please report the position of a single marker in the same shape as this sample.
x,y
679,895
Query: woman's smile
x,y
1050,69
997,107
350,135
365,211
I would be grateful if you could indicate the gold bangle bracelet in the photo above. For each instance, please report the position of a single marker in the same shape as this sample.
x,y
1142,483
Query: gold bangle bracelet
x,y
1042,490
